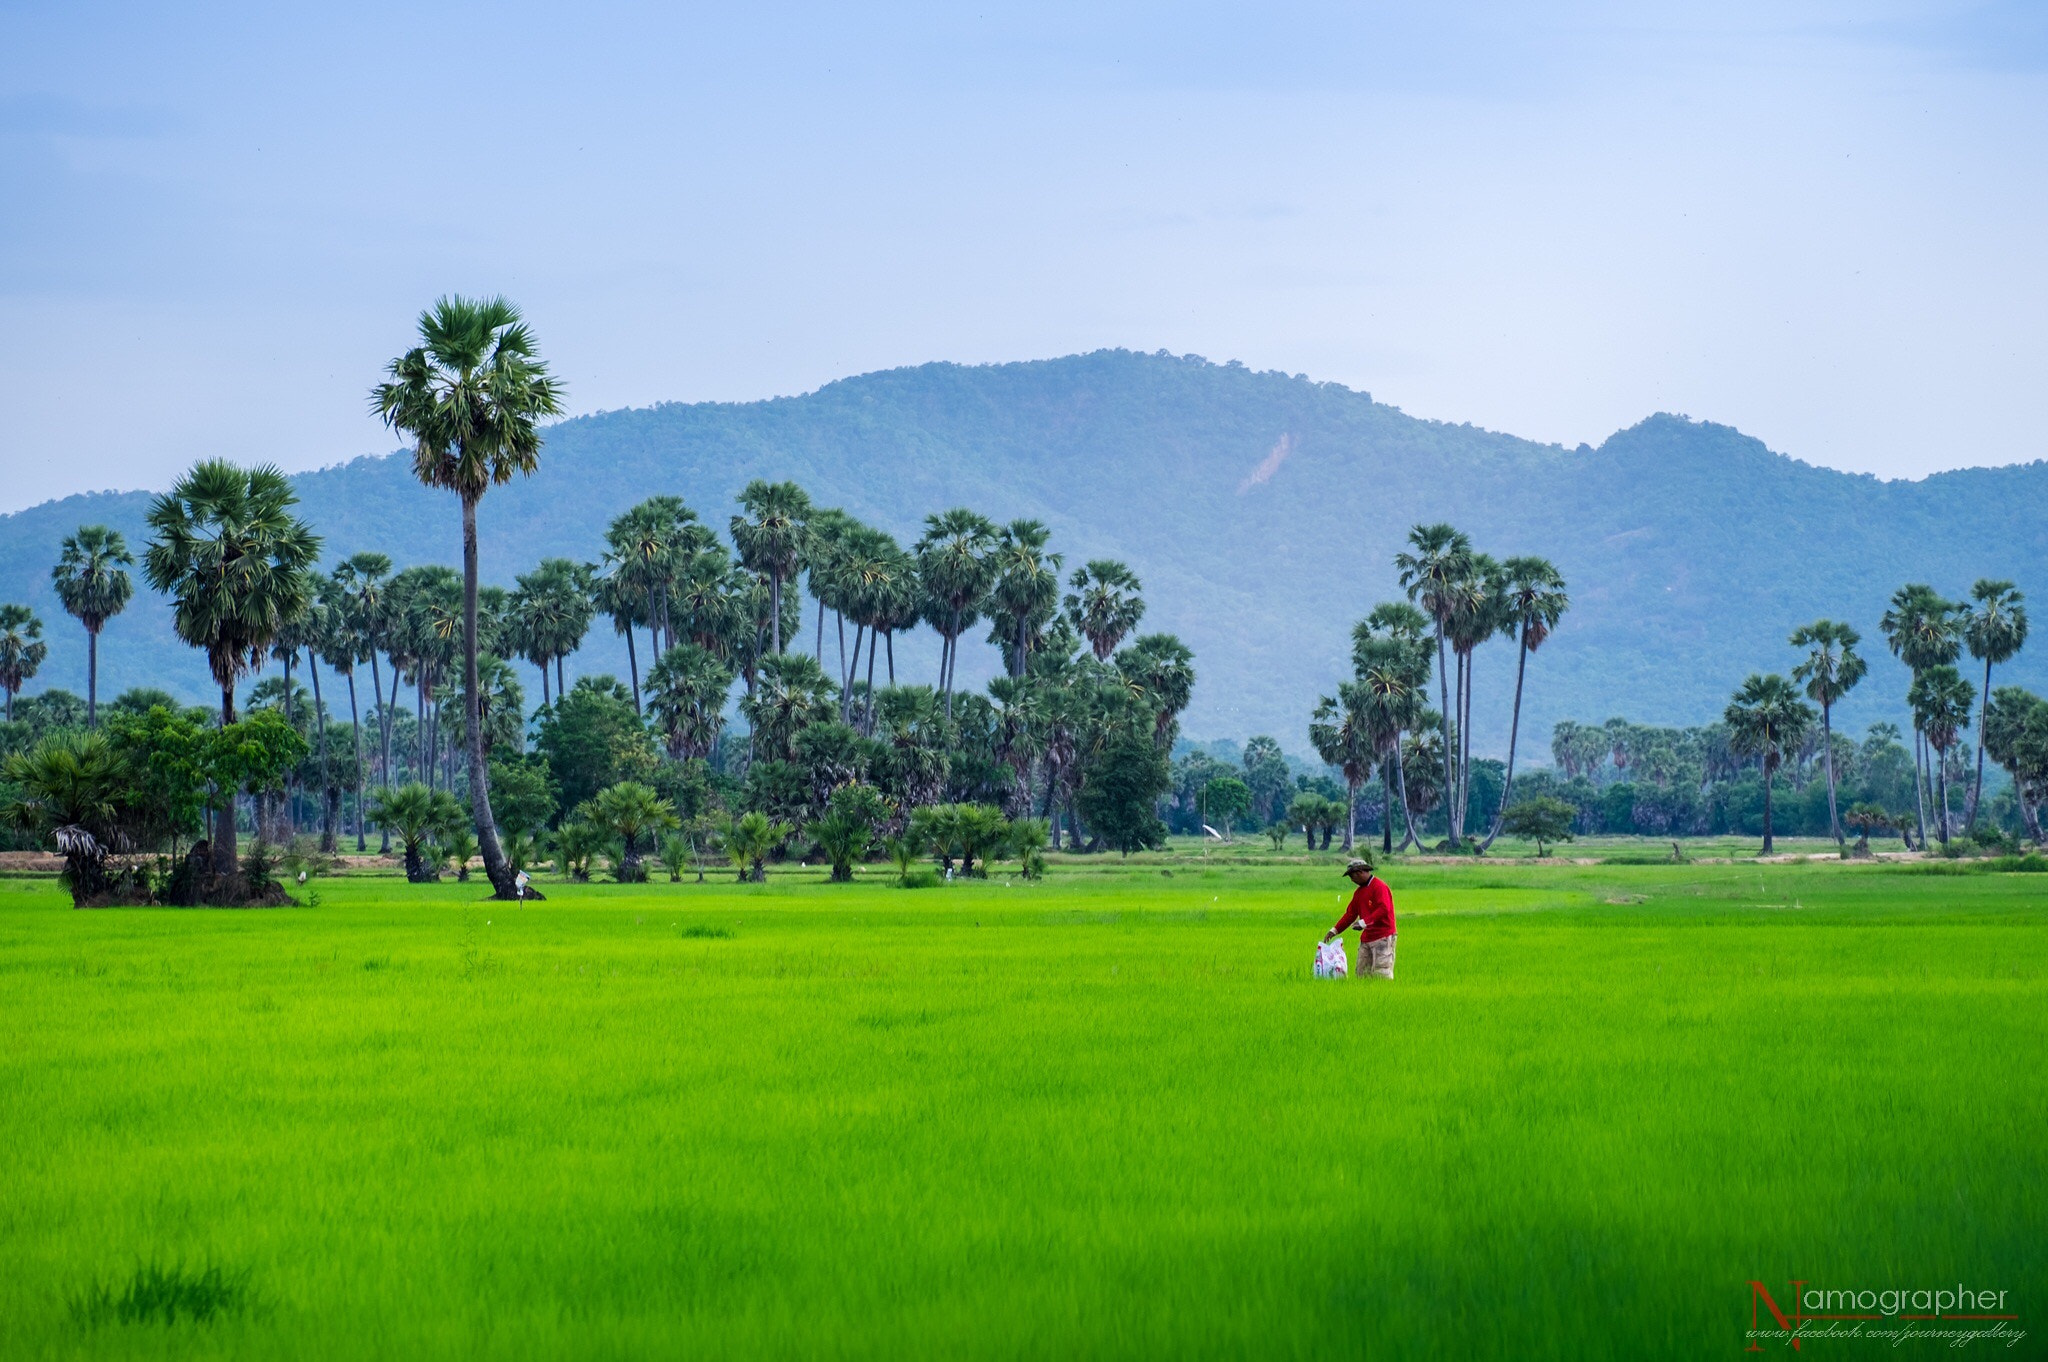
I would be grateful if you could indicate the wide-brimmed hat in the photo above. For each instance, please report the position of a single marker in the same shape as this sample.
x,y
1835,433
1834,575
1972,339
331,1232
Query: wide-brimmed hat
x,y
1359,863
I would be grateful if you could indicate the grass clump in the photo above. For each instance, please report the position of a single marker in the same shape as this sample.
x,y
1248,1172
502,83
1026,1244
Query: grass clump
x,y
159,1294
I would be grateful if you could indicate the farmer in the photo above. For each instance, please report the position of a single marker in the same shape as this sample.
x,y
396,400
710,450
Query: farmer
x,y
1371,910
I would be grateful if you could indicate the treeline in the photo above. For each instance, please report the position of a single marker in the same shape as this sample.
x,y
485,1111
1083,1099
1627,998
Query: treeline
x,y
1724,777
1072,739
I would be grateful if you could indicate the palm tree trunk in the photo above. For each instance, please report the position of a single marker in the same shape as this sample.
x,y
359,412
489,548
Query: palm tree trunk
x,y
1977,784
1919,790
1507,785
495,865
327,797
1941,783
867,723
952,654
1827,737
633,666
1407,815
775,616
820,645
839,621
356,731
890,642
544,700
1443,692
1454,813
424,757
92,681
1350,811
1767,806
561,683
225,859
1386,811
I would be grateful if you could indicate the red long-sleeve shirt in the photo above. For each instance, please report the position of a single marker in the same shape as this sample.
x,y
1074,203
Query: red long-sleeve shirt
x,y
1371,910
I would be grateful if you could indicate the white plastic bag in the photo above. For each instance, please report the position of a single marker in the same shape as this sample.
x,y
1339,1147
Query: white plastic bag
x,y
1330,961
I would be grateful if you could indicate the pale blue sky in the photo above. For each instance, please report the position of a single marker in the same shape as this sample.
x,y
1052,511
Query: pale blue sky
x,y
1821,222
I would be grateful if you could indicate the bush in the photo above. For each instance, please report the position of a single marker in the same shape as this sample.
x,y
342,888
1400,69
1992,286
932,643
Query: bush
x,y
922,877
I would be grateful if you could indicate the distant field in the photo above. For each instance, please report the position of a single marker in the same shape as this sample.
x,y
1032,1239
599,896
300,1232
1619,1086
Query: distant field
x,y
1104,1115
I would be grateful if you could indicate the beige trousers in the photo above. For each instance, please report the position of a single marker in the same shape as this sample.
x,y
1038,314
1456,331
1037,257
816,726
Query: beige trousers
x,y
1376,958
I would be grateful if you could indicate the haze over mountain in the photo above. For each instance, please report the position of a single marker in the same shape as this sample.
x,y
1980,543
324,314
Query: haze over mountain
x,y
1262,511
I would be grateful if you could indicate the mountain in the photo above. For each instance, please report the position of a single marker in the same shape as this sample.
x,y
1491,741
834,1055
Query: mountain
x,y
1262,511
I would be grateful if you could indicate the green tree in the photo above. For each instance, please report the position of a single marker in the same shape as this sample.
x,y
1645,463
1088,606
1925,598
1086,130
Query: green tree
x,y
1996,630
238,567
1540,820
1226,799
550,613
1830,669
1767,719
2015,730
592,739
1158,670
750,839
471,395
1120,790
94,586
631,812
1533,601
771,538
1266,775
21,650
791,693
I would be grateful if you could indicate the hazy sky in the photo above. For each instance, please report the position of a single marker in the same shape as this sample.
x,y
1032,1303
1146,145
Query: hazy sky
x,y
1823,223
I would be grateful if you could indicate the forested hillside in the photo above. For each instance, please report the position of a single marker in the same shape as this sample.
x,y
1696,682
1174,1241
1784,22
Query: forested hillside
x,y
1261,510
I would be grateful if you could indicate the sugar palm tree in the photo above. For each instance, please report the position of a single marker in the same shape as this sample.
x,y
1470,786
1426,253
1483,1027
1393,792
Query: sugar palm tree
x,y
790,693
22,650
1922,631
631,812
1478,612
417,815
1830,669
1431,575
771,539
94,586
1342,734
1940,699
345,647
237,565
955,566
471,394
619,596
1104,604
686,693
1533,600
1767,719
1996,630
1159,671
1027,588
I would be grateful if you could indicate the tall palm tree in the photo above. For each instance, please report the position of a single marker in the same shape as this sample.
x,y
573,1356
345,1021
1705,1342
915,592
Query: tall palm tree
x,y
619,596
1533,601
238,567
552,610
1996,630
1026,593
22,650
1159,670
1478,612
471,394
1940,699
1341,732
686,692
1431,575
790,693
1922,631
1767,719
345,646
93,586
1104,604
955,564
644,550
1830,669
771,539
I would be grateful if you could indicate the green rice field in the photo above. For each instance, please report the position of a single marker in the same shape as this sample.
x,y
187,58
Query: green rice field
x,y
1107,1114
